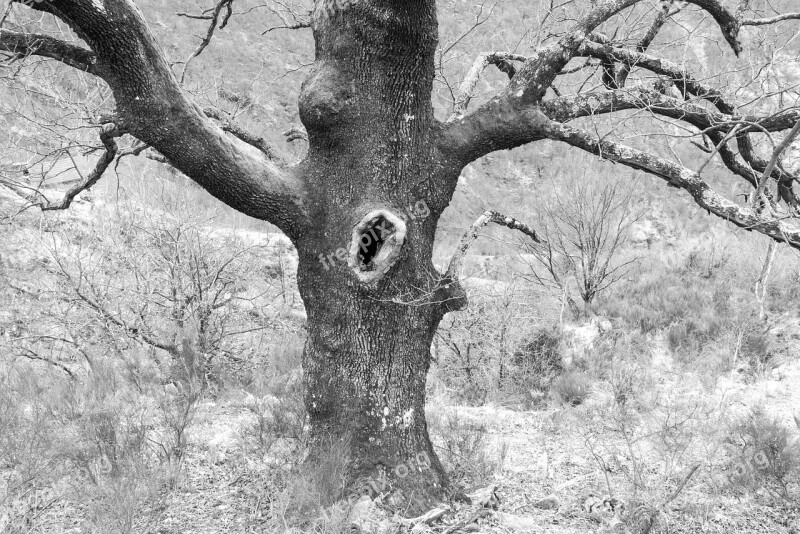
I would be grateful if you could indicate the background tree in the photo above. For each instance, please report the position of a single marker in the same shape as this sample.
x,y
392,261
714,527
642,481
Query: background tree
x,y
376,150
583,230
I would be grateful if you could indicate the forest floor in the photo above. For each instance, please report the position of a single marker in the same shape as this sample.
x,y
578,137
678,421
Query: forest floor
x,y
548,480
673,448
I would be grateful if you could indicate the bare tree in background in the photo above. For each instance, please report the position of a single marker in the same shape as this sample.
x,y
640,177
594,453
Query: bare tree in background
x,y
583,230
593,75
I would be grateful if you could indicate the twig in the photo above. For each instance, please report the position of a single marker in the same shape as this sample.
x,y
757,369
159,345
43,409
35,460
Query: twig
x,y
210,33
474,517
776,154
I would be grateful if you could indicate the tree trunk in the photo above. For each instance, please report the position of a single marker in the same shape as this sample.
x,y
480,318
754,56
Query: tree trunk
x,y
371,292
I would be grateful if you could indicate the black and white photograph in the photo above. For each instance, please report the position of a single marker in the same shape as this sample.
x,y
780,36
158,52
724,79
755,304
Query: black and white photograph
x,y
399,266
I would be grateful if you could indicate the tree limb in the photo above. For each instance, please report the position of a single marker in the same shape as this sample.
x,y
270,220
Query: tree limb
x,y
210,33
469,237
776,154
540,70
690,86
771,20
572,107
31,355
155,110
28,44
496,125
467,87
36,198
269,150
678,176
661,19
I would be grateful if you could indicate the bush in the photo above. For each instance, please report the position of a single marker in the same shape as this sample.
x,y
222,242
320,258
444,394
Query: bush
x,y
571,388
536,364
462,448
768,453
688,336
275,397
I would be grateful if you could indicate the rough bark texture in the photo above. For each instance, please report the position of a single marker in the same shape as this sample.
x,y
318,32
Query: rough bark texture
x,y
367,109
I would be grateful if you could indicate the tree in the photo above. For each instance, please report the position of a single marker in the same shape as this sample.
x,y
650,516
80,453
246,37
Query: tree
x,y
583,230
362,206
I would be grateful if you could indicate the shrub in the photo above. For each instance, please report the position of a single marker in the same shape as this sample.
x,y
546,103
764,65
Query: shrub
x,y
571,388
688,336
276,400
537,363
769,452
462,447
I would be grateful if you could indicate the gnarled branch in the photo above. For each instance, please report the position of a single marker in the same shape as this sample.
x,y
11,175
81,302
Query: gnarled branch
x,y
678,176
156,111
269,150
469,237
467,87
21,45
36,198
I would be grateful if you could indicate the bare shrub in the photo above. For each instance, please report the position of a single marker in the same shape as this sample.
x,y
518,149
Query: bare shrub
x,y
536,364
276,399
166,280
585,228
571,388
767,453
462,446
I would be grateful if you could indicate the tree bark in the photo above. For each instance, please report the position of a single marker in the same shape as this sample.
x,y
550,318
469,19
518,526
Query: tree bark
x,y
366,277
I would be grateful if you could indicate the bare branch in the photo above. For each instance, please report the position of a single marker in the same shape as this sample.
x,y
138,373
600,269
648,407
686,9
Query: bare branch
x,y
677,176
210,33
36,198
454,269
572,107
776,154
771,20
31,355
538,73
661,19
496,124
467,87
270,150
21,45
154,109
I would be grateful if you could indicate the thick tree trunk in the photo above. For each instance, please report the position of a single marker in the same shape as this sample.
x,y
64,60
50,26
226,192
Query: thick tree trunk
x,y
371,292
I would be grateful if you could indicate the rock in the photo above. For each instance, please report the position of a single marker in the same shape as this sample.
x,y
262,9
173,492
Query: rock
x,y
419,524
517,523
486,497
773,389
604,325
548,503
366,518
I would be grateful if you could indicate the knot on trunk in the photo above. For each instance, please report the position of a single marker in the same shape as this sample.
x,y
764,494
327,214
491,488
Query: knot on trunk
x,y
376,244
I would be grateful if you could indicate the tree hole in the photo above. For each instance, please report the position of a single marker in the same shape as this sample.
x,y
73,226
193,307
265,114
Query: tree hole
x,y
372,240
